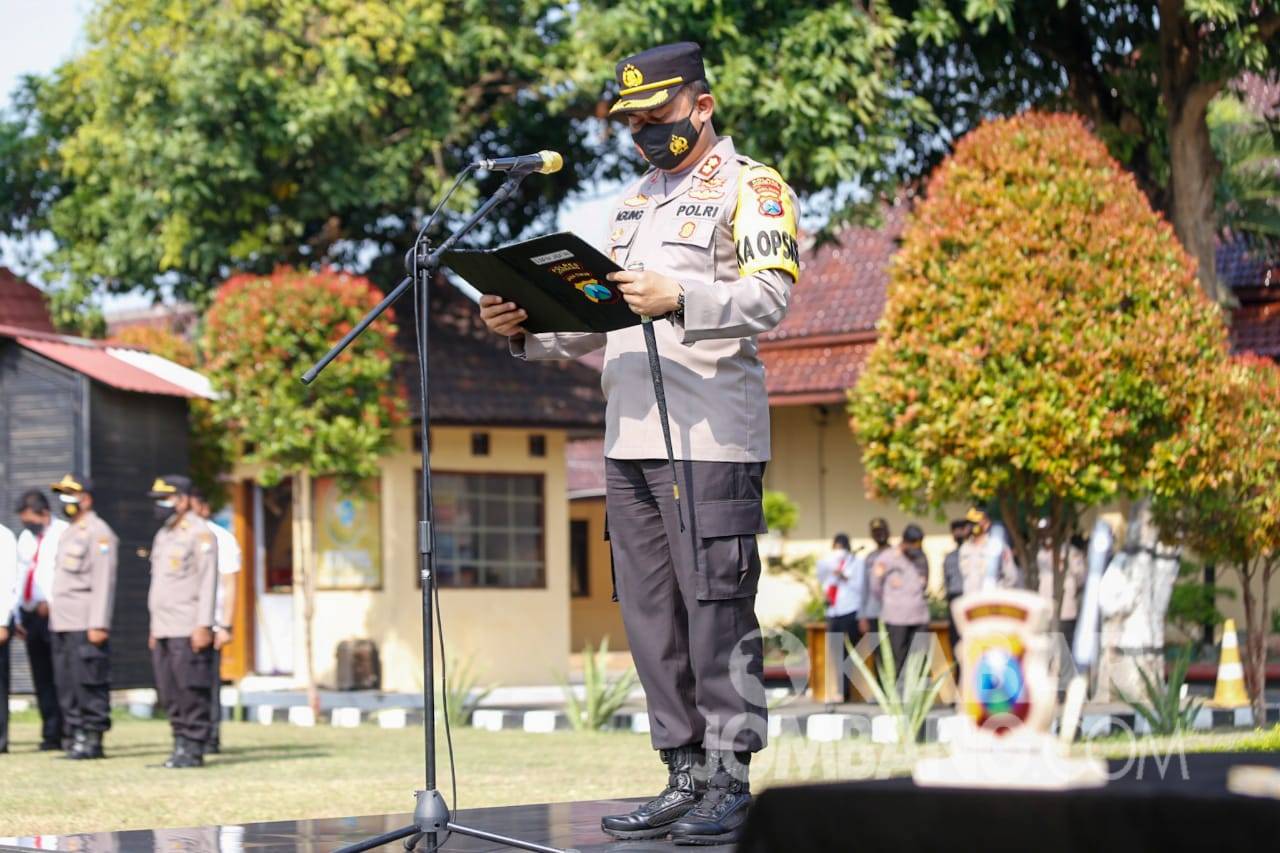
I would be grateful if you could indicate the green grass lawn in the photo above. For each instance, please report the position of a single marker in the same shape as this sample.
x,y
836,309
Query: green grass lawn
x,y
279,772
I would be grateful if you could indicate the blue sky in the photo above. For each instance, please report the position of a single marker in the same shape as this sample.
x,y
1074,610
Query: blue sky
x,y
38,34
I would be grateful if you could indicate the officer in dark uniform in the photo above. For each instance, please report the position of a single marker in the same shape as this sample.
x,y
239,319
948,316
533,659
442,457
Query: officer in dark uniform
x,y
184,572
707,239
84,587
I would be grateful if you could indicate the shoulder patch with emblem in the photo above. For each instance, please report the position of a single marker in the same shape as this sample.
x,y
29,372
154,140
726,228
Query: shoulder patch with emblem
x,y
104,545
764,224
206,542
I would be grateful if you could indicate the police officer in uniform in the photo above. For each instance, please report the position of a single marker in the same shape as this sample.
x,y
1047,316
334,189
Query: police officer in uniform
x,y
224,607
707,242
84,587
184,572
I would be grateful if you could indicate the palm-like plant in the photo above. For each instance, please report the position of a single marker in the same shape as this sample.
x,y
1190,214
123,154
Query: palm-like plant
x,y
907,703
602,696
1165,709
462,692
1248,146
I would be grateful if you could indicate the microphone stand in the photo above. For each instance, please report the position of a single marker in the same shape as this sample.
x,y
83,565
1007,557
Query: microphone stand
x,y
431,815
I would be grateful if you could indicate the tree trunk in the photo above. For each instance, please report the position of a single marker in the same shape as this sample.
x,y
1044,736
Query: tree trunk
x,y
1192,163
1254,650
303,488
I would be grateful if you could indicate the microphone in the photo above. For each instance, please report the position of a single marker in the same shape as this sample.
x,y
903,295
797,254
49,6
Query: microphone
x,y
545,162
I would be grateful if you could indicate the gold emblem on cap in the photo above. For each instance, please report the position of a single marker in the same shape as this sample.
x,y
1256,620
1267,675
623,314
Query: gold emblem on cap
x,y
67,483
161,486
678,145
632,76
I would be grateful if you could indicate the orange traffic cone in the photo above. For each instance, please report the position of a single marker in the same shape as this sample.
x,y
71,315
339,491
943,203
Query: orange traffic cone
x,y
1230,692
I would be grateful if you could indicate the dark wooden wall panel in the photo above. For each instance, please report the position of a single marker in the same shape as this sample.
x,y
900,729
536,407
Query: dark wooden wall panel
x,y
41,438
133,438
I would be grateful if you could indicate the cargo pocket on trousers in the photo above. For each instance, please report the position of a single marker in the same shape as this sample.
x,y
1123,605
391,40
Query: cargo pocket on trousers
x,y
728,559
95,665
197,671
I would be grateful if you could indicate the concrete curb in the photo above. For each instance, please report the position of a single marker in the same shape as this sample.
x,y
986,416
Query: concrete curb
x,y
821,727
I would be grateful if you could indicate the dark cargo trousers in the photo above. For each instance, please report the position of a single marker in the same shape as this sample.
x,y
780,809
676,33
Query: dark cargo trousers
x,y
689,612
184,680
83,675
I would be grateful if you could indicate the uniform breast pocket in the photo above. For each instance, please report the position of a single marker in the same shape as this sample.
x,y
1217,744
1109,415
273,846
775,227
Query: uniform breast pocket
x,y
623,232
73,557
176,562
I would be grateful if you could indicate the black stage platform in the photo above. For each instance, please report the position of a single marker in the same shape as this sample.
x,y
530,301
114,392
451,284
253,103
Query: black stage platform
x,y
1150,805
566,825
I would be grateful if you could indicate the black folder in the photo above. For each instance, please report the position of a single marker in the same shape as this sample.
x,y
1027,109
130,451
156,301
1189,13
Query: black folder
x,y
559,279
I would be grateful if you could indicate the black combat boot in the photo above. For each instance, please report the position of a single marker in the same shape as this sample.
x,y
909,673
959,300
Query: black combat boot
x,y
186,753
72,745
654,818
719,816
87,745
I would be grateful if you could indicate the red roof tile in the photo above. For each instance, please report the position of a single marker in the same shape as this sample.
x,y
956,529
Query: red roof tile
x,y
1256,328
842,285
585,460
22,304
801,374
93,360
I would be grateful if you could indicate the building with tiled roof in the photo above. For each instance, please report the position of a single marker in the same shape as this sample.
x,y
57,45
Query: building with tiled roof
x,y
22,305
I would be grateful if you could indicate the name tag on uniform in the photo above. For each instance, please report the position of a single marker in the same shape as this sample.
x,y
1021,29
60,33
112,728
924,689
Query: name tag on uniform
x,y
698,211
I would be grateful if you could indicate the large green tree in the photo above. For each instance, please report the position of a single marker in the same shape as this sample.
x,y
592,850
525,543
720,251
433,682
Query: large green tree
x,y
1041,326
1143,72
191,139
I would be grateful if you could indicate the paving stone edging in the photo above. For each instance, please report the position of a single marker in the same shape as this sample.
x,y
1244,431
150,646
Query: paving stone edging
x,y
816,726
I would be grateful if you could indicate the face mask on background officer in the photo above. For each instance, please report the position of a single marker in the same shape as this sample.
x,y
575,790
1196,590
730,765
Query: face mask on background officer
x,y
167,509
74,505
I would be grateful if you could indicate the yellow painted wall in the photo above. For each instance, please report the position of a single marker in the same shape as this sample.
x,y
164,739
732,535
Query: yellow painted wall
x,y
596,616
817,463
508,636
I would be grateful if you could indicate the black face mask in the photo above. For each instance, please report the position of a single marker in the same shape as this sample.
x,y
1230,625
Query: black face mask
x,y
34,527
163,513
666,145
70,510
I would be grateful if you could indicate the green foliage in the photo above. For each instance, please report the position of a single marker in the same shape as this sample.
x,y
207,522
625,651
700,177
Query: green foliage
x,y
1165,710
261,333
1247,144
780,512
1217,490
1041,325
189,140
463,692
602,695
907,703
810,88
1195,603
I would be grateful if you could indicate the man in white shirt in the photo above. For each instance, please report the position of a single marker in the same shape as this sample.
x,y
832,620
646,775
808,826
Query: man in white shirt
x,y
842,578
37,557
224,608
8,595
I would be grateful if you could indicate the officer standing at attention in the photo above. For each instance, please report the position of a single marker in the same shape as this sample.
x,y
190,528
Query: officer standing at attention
x,y
8,598
184,573
37,556
224,608
707,239
84,591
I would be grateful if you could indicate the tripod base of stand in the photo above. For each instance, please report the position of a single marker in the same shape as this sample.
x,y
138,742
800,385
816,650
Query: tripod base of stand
x,y
430,818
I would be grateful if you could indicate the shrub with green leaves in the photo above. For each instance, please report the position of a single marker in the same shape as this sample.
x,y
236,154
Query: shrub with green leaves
x,y
1165,709
1041,324
602,695
262,333
908,700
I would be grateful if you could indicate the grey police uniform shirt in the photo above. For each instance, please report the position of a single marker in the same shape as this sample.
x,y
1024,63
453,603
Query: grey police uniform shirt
x,y
84,579
726,230
184,572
